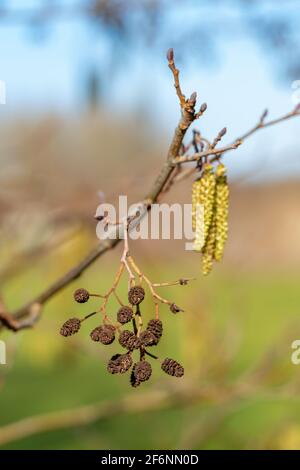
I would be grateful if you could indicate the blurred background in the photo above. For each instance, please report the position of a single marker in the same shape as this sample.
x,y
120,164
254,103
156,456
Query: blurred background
x,y
90,109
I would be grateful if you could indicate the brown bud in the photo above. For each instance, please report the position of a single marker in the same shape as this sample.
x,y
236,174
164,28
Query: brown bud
x,y
297,108
193,97
170,54
264,115
203,108
175,309
70,327
223,132
81,296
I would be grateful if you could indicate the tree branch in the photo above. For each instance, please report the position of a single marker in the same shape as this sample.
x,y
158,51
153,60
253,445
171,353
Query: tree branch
x,y
188,115
154,400
31,311
197,156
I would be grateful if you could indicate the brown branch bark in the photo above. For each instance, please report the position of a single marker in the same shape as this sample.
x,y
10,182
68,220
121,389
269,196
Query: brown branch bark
x,y
154,400
188,115
163,181
180,394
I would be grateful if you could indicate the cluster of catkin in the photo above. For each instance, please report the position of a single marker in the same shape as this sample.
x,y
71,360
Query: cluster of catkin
x,y
210,197
132,340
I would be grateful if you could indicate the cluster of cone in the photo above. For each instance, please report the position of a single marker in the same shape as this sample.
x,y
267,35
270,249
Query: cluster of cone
x,y
210,197
130,340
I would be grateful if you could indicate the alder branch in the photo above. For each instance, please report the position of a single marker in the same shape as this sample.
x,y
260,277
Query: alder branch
x,y
188,115
154,400
261,124
198,156
180,394
32,310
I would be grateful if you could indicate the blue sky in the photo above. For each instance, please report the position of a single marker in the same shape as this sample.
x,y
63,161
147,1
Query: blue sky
x,y
47,76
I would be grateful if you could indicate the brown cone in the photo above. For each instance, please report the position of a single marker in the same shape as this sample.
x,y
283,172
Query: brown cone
x,y
119,363
124,314
104,333
136,295
70,327
129,340
134,382
81,296
172,367
155,326
142,371
147,338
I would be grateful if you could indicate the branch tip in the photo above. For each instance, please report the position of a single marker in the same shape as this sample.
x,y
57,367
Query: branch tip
x,y
170,54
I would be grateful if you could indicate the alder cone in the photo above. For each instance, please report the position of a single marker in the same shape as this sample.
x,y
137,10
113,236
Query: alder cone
x,y
81,296
70,327
134,382
136,295
172,367
119,363
148,338
105,334
129,340
155,326
124,315
142,371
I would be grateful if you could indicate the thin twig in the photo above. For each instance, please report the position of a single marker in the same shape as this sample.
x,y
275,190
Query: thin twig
x,y
198,156
187,118
174,159
154,400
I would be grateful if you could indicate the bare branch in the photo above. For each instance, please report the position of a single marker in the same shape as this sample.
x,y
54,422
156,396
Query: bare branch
x,y
262,124
188,115
153,400
15,325
175,72
32,310
212,151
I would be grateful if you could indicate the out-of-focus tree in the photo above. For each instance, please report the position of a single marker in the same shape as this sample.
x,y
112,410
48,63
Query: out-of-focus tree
x,y
195,27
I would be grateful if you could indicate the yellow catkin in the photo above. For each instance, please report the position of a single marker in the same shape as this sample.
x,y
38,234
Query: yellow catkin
x,y
222,203
203,197
207,197
197,216
195,198
208,250
199,235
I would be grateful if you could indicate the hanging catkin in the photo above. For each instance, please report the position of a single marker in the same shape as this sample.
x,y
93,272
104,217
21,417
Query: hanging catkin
x,y
195,199
204,195
207,196
208,250
197,216
222,199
